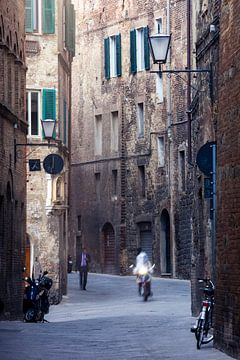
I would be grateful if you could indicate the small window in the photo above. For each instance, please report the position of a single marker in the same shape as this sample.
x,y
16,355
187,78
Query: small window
x,y
79,222
33,113
97,185
113,57
32,15
159,87
98,135
114,182
182,174
161,151
140,50
114,131
158,26
140,120
141,181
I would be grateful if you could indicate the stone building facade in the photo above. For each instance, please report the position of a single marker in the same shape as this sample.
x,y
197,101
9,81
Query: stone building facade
x,y
129,138
227,320
13,129
49,50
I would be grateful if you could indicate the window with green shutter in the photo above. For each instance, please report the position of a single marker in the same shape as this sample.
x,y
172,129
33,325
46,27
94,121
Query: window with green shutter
x,y
49,104
48,16
119,55
133,51
106,58
70,28
146,49
29,15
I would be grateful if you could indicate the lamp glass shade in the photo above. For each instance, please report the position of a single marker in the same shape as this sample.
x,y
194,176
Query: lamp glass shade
x,y
48,126
159,45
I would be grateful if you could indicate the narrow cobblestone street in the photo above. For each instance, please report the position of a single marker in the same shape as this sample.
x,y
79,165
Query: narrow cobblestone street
x,y
110,322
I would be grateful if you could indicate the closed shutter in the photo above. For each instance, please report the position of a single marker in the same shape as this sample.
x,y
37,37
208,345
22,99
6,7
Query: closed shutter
x,y
146,243
107,58
48,16
29,15
49,104
133,51
146,49
119,55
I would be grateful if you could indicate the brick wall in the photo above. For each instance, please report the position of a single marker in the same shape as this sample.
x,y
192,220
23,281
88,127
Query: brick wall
x,y
13,175
227,331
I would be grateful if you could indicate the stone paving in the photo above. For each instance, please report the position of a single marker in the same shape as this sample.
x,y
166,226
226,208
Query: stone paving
x,y
110,321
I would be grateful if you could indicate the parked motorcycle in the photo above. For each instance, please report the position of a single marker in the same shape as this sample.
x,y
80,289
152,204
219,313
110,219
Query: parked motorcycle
x,y
35,301
144,280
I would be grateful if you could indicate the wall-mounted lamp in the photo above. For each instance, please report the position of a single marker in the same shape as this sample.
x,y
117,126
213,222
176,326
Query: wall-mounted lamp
x,y
159,47
48,127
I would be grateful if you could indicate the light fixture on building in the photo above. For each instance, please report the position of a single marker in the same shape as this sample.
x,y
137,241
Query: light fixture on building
x,y
48,127
159,46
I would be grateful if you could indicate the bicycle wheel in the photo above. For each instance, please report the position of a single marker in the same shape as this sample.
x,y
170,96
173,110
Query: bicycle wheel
x,y
199,333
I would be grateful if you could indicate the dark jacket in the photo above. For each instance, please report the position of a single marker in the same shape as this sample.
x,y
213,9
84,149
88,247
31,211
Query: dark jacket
x,y
88,260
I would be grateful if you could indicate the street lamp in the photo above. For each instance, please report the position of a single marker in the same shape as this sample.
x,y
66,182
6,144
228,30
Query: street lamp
x,y
159,46
48,127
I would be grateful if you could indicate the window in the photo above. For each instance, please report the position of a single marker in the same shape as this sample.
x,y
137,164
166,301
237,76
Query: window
x,y
33,113
98,135
139,50
114,182
158,26
161,151
140,120
112,56
182,185
141,180
69,27
159,87
79,222
114,131
97,185
40,16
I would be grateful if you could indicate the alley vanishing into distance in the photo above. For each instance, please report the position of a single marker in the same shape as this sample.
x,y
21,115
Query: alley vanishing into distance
x,y
110,321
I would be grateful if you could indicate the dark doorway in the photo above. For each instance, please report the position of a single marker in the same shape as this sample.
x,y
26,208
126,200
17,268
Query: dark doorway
x,y
165,244
109,259
146,238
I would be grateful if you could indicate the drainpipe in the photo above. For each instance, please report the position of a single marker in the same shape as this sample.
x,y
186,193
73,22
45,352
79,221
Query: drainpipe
x,y
189,115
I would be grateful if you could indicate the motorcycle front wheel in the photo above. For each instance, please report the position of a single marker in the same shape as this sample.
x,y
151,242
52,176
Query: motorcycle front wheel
x,y
147,291
30,315
199,333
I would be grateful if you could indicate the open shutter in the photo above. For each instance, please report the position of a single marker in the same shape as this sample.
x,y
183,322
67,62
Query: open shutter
x,y
29,15
146,49
48,16
133,51
49,105
107,58
119,55
70,28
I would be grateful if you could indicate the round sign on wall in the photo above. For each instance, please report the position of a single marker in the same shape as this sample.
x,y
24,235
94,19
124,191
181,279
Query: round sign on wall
x,y
53,164
205,158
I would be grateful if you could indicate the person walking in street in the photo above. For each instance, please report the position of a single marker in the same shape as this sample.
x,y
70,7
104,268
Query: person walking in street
x,y
84,260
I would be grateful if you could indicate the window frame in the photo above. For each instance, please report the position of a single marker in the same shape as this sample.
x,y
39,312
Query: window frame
x,y
140,120
161,151
114,131
98,133
29,107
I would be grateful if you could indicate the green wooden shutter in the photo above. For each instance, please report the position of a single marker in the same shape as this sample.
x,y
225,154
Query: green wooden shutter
x,y
146,49
119,55
107,58
133,51
48,16
29,15
49,104
70,28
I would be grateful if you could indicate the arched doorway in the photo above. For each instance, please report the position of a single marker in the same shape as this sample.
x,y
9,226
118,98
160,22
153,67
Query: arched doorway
x,y
109,259
165,244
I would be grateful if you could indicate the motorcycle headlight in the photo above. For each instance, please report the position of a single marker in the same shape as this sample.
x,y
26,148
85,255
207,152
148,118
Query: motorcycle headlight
x,y
143,270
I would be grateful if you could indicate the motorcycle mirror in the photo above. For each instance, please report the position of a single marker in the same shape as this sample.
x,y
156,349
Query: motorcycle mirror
x,y
131,266
45,272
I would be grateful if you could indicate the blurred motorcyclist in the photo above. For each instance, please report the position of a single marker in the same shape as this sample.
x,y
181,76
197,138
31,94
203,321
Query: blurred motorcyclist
x,y
141,261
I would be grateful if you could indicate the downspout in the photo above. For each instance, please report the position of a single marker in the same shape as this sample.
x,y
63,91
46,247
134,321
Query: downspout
x,y
189,115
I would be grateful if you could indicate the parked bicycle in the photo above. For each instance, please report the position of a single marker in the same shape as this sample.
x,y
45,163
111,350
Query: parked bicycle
x,y
205,319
